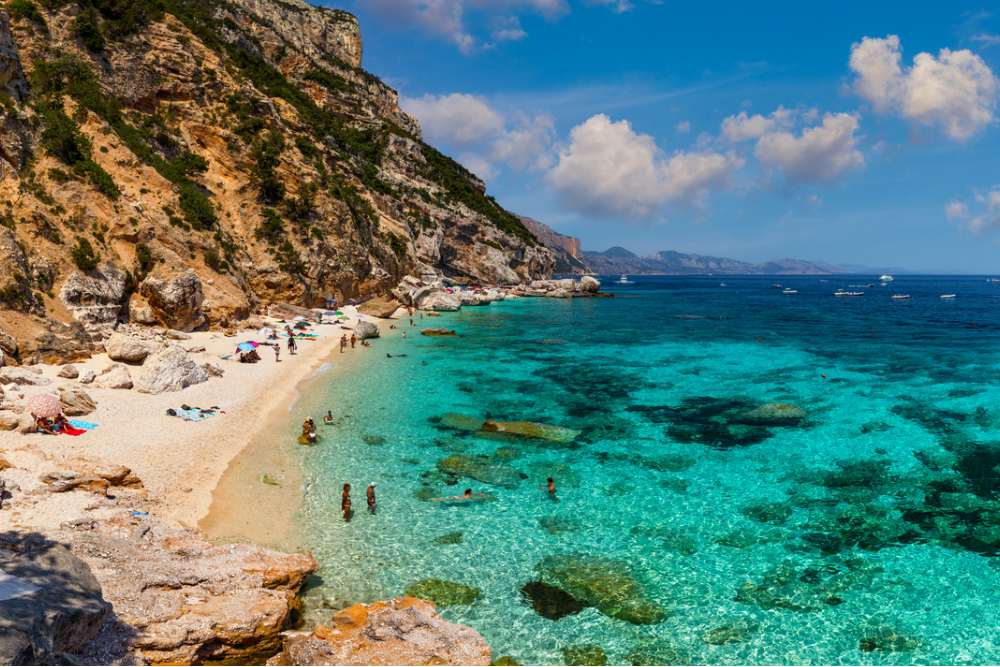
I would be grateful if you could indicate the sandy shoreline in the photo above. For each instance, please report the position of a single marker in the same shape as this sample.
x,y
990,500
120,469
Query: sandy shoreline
x,y
181,463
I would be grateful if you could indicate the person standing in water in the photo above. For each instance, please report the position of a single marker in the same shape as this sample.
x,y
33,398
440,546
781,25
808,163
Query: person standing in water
x,y
354,340
551,485
345,502
370,494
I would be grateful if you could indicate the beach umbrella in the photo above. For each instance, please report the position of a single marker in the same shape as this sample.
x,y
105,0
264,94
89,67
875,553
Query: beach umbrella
x,y
44,405
245,347
299,318
266,332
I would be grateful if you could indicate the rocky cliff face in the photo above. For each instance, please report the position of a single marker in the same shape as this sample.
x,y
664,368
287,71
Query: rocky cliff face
x,y
567,249
218,156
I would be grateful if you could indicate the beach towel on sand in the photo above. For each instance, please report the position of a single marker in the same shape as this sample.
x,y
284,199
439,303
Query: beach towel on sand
x,y
69,430
79,423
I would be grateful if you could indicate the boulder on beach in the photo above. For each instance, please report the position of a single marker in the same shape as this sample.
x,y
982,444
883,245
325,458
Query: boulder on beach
x,y
69,372
22,376
76,402
436,298
9,420
589,284
606,584
87,376
404,631
170,369
381,306
365,330
175,300
128,349
115,376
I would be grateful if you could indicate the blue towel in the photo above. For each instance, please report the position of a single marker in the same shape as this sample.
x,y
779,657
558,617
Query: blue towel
x,y
86,426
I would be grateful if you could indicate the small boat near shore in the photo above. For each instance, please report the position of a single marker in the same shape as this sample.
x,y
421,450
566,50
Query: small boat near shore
x,y
900,297
789,290
842,292
948,297
623,280
885,278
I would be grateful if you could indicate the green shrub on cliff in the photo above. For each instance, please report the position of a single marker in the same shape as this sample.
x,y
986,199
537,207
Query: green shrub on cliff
x,y
84,255
86,28
26,9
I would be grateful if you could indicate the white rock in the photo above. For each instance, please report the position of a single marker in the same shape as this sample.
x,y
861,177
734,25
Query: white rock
x,y
366,329
170,369
87,376
128,349
115,376
589,284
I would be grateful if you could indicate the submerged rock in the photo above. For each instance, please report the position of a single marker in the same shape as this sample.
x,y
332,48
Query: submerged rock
x,y
454,537
609,585
442,592
584,654
550,601
532,430
459,422
670,538
805,587
658,653
481,468
734,632
886,640
555,525
438,332
404,631
774,414
765,512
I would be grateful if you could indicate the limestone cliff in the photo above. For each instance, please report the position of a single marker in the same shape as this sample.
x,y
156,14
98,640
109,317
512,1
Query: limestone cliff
x,y
180,163
567,249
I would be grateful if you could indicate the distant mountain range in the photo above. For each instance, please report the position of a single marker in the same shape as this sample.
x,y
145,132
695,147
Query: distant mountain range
x,y
670,262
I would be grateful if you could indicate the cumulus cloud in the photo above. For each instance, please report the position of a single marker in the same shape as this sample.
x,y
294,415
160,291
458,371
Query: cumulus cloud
x,y
819,153
743,127
981,214
955,90
456,119
484,137
608,169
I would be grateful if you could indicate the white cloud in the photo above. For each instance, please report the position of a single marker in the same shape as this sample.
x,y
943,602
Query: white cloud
x,y
987,39
743,127
609,169
979,215
956,90
620,6
508,29
478,165
456,119
819,153
527,144
683,127
956,210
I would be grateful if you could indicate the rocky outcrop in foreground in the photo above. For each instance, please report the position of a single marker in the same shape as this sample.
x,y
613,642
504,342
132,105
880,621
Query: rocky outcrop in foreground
x,y
174,598
404,631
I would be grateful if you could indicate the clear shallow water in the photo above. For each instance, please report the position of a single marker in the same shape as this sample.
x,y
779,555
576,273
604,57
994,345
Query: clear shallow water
x,y
864,533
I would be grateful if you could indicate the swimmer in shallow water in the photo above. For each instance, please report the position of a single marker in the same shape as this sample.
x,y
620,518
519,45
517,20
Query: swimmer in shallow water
x,y
467,496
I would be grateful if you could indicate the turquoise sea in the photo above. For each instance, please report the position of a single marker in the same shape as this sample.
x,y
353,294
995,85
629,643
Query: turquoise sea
x,y
856,522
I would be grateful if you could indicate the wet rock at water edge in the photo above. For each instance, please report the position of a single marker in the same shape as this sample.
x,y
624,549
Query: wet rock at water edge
x,y
606,584
549,601
887,640
584,654
442,592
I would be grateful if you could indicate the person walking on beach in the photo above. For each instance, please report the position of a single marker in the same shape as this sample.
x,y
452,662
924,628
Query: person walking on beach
x,y
370,494
345,502
291,345
277,352
343,343
354,340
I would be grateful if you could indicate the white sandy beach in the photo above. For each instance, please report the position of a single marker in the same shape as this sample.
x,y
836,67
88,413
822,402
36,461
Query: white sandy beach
x,y
179,462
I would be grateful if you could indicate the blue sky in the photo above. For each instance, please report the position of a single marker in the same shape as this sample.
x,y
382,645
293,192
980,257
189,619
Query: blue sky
x,y
749,130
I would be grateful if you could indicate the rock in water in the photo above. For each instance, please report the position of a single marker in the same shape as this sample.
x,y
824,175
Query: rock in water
x,y
481,468
609,585
50,602
170,369
549,601
127,349
404,631
589,284
366,330
443,592
532,430
774,414
438,332
584,654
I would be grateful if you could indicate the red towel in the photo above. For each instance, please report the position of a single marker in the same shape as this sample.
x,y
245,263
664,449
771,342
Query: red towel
x,y
69,430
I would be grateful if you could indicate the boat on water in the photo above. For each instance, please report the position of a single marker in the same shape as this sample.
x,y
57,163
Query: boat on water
x,y
789,290
722,284
948,297
623,280
885,278
900,297
776,285
842,292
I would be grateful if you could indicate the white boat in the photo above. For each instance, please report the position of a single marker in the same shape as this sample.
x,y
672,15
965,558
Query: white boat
x,y
886,278
900,297
722,284
842,292
947,297
623,280
789,290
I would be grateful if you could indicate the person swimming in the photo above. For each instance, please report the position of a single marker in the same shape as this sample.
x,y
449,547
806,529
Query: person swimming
x,y
370,495
328,418
467,496
345,502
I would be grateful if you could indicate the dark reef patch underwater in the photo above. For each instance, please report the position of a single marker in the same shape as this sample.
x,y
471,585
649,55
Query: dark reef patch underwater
x,y
741,477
